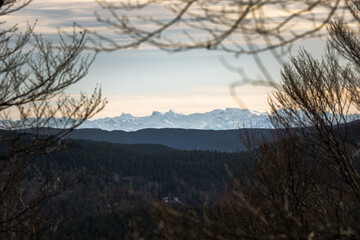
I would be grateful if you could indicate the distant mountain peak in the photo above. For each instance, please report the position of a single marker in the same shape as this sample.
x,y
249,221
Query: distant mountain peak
x,y
218,119
156,113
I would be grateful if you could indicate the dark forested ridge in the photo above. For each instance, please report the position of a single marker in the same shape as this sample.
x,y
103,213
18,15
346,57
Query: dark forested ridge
x,y
187,139
184,139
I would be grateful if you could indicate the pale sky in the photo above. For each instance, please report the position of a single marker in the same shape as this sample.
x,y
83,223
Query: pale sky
x,y
146,80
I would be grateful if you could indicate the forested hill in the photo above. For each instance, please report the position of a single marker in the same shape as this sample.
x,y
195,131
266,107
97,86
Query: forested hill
x,y
119,179
187,139
184,139
151,170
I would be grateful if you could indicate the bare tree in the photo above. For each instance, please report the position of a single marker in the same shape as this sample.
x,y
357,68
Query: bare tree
x,y
305,183
34,74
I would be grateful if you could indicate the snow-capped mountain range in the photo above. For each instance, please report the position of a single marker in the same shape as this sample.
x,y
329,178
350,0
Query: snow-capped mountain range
x,y
230,118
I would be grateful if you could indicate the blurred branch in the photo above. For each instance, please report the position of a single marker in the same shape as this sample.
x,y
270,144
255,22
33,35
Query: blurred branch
x,y
34,75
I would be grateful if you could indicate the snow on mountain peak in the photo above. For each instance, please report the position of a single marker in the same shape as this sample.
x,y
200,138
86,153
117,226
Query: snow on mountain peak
x,y
156,113
218,119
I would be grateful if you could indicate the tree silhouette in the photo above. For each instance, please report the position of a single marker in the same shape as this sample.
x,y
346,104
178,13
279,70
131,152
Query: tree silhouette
x,y
34,74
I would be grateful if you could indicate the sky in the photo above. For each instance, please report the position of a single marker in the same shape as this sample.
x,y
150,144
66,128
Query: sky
x,y
140,81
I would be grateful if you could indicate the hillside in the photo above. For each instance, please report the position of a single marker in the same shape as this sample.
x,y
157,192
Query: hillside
x,y
184,139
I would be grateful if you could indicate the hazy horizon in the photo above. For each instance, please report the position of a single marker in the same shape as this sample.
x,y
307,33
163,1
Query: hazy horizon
x,y
178,112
